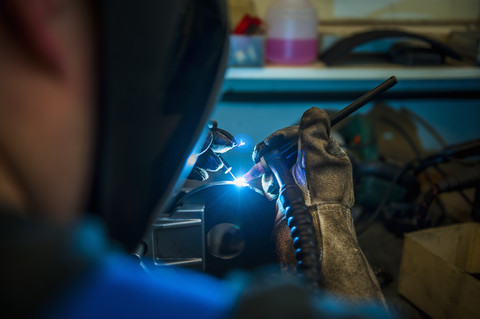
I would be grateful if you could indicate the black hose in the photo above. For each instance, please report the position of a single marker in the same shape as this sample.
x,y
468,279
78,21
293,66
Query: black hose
x,y
450,153
460,192
307,245
461,180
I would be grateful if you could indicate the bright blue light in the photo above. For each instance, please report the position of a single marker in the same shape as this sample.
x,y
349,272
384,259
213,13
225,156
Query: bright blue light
x,y
245,143
240,182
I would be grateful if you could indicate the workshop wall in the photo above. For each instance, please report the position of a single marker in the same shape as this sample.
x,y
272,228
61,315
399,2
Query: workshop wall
x,y
390,9
455,120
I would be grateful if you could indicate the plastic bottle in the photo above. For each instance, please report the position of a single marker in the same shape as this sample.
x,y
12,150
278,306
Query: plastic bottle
x,y
292,32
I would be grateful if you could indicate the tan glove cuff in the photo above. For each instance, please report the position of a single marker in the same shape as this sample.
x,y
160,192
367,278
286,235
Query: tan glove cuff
x,y
346,271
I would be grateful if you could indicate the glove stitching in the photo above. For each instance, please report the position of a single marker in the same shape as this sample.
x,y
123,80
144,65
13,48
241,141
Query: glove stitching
x,y
333,205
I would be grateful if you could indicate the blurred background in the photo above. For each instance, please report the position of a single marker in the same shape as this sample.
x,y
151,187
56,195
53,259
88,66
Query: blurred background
x,y
432,47
261,96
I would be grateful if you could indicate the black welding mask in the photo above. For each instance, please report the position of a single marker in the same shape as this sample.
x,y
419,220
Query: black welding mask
x,y
161,67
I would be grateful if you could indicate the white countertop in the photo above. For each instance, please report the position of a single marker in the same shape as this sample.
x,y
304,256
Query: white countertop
x,y
320,72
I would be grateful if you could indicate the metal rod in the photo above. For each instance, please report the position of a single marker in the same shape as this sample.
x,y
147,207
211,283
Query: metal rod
x,y
289,150
227,167
361,101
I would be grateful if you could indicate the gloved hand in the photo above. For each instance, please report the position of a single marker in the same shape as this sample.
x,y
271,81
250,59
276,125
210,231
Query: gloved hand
x,y
218,142
324,173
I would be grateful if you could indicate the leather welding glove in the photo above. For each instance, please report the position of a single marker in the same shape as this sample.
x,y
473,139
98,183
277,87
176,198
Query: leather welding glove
x,y
324,173
218,142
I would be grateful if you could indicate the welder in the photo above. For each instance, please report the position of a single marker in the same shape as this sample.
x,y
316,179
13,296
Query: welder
x,y
103,111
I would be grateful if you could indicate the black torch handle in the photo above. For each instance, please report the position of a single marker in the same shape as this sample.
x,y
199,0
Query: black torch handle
x,y
305,241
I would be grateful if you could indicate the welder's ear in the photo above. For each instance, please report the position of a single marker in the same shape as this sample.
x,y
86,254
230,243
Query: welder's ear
x,y
32,26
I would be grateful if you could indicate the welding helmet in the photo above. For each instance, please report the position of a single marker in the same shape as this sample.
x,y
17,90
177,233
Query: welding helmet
x,y
161,67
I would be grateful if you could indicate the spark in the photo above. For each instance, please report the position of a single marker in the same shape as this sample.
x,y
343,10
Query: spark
x,y
240,182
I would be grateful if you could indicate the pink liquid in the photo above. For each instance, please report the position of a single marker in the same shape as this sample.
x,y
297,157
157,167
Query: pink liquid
x,y
291,51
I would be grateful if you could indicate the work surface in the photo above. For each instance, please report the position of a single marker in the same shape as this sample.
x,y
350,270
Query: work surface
x,y
384,251
319,79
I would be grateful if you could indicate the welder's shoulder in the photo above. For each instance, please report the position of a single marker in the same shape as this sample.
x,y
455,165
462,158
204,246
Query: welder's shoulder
x,y
42,274
48,273
285,299
119,288
37,263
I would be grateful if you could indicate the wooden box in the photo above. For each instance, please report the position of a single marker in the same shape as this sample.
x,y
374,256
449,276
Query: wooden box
x,y
436,271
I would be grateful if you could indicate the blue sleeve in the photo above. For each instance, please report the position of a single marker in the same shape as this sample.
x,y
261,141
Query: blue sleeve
x,y
115,288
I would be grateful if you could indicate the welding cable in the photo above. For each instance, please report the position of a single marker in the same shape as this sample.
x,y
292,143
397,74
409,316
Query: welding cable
x,y
309,252
379,209
455,154
449,154
465,179
460,192
413,146
397,177
386,197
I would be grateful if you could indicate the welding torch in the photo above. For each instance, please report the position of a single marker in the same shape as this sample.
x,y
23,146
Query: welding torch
x,y
308,247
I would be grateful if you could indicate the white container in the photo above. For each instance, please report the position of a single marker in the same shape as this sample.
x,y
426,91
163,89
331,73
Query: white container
x,y
291,32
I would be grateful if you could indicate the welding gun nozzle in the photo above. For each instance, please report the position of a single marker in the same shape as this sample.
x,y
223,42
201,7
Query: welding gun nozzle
x,y
256,171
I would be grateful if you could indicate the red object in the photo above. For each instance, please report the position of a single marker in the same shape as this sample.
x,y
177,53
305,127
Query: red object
x,y
247,25
357,139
